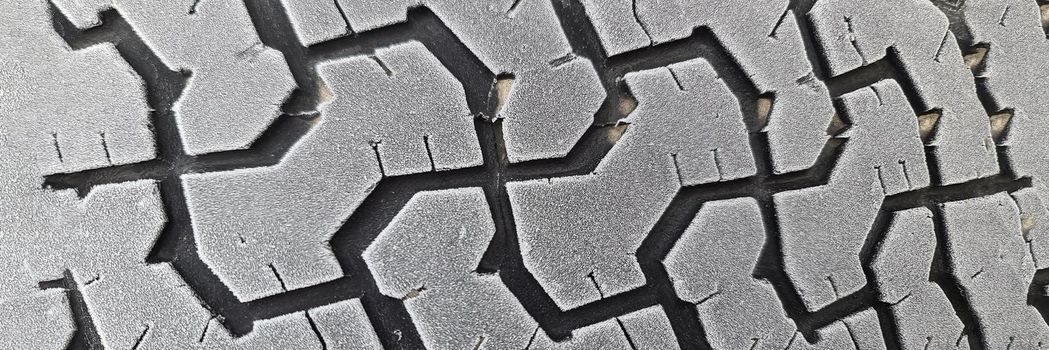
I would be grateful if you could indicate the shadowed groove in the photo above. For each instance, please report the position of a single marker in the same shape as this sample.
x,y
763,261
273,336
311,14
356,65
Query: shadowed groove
x,y
86,335
388,316
1038,294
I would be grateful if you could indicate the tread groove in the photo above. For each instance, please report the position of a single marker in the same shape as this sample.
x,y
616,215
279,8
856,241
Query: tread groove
x,y
388,316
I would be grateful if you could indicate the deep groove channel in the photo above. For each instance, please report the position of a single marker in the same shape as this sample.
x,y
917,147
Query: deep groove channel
x,y
177,246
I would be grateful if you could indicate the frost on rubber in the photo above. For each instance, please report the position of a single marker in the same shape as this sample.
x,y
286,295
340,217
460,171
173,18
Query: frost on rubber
x,y
539,174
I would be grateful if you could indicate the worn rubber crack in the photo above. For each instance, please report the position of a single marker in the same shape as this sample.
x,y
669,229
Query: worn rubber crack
x,y
193,7
510,12
141,337
58,149
316,331
640,23
105,148
852,39
342,14
629,338
204,333
775,28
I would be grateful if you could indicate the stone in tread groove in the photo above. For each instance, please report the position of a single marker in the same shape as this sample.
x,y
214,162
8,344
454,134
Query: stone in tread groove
x,y
993,266
1016,45
577,227
456,307
104,236
538,124
283,215
824,228
237,83
855,32
761,36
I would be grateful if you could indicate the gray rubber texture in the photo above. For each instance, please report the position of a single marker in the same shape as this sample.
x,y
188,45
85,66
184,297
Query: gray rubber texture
x,y
524,174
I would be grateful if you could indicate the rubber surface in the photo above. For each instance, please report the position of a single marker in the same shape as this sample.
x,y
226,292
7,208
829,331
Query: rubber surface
x,y
447,174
